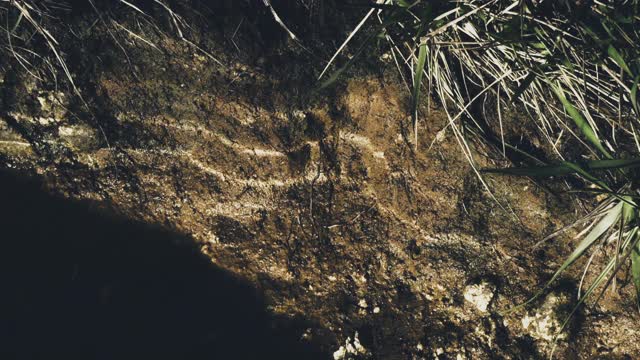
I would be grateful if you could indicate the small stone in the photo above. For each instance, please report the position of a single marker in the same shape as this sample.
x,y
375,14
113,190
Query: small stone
x,y
546,321
340,353
44,121
356,344
480,295
299,114
376,310
351,347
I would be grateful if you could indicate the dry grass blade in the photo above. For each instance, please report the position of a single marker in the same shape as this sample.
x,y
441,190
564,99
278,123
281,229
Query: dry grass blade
x,y
344,44
51,42
276,17
134,35
33,18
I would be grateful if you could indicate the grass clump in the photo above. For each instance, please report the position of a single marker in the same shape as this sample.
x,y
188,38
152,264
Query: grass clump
x,y
572,66
35,31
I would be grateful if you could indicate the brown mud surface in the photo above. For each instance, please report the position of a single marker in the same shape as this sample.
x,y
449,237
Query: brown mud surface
x,y
318,200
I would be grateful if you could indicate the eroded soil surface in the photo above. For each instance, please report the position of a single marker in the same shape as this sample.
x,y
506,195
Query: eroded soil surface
x,y
319,200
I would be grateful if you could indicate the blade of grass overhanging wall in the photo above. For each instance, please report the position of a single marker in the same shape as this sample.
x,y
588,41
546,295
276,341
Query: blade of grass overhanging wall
x,y
613,163
618,262
629,212
602,184
586,175
344,67
625,196
51,42
635,271
631,238
537,171
417,83
133,7
524,153
603,225
277,18
615,55
567,168
351,35
457,20
634,95
15,26
579,120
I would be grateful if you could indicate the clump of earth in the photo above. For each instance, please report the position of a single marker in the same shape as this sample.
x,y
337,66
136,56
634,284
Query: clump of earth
x,y
320,200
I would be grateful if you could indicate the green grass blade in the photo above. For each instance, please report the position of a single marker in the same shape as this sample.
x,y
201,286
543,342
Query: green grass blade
x,y
582,172
567,168
336,75
634,95
635,271
603,225
615,55
537,171
598,280
613,164
632,239
579,120
629,212
417,84
606,192
417,80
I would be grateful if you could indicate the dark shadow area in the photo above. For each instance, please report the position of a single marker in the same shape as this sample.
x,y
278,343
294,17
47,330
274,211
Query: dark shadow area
x,y
79,283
